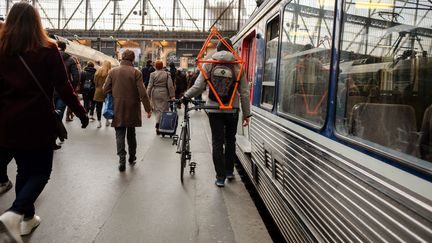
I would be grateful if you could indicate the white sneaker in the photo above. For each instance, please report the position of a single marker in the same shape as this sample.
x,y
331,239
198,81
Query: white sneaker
x,y
27,226
99,124
6,186
10,227
107,123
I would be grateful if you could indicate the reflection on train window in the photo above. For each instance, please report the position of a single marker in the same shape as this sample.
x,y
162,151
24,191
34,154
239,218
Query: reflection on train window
x,y
305,60
384,92
272,39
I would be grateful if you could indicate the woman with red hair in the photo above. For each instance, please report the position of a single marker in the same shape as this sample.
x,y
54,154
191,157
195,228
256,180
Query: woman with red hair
x,y
160,90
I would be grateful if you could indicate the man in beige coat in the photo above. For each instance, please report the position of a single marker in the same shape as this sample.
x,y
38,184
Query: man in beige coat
x,y
128,91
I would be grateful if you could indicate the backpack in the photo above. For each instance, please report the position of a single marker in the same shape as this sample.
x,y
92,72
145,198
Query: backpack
x,y
88,84
223,79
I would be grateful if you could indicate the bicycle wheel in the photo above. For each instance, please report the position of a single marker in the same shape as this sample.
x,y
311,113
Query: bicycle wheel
x,y
184,152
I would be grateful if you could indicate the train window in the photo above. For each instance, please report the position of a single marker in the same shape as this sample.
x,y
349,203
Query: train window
x,y
305,60
384,91
268,84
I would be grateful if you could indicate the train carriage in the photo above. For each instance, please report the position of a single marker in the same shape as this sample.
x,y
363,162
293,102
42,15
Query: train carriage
x,y
339,146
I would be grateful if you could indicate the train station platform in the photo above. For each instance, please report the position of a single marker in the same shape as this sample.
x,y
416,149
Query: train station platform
x,y
89,200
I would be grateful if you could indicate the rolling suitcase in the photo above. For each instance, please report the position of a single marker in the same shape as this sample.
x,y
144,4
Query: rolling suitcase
x,y
168,122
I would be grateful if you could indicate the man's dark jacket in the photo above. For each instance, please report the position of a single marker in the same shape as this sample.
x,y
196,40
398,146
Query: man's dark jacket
x,y
146,73
71,68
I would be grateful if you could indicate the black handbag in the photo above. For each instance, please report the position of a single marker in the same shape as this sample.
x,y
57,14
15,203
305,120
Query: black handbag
x,y
60,130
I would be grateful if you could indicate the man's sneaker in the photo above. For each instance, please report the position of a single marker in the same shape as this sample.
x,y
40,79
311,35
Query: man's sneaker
x,y
27,226
220,182
6,186
230,175
122,167
107,123
99,124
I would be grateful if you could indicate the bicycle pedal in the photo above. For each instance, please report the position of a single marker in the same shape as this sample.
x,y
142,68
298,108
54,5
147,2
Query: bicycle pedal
x,y
175,139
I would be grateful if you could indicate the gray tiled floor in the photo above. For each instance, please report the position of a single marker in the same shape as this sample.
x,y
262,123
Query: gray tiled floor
x,y
88,200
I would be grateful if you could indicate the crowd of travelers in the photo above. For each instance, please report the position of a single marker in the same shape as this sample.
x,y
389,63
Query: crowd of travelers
x,y
39,79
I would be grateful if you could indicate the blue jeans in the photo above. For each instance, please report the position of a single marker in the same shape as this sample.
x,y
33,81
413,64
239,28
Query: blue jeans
x,y
60,106
34,170
223,128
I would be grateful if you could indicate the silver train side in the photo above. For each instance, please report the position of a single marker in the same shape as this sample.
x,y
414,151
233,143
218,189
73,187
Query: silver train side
x,y
318,189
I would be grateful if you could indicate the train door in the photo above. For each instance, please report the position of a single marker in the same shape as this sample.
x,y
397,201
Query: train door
x,y
248,54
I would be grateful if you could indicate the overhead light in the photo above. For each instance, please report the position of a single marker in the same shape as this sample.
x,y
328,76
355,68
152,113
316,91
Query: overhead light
x,y
372,5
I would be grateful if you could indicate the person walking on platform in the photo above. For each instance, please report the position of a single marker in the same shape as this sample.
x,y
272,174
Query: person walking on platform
x,y
172,71
146,71
180,83
87,87
73,77
31,68
5,183
128,91
98,99
223,123
191,82
160,90
69,113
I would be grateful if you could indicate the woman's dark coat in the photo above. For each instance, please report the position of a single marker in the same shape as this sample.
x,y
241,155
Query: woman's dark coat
x,y
26,120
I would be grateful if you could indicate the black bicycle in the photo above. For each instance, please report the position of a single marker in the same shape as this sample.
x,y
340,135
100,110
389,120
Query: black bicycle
x,y
183,141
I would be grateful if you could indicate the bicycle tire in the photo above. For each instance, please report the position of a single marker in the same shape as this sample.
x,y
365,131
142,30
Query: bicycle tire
x,y
183,152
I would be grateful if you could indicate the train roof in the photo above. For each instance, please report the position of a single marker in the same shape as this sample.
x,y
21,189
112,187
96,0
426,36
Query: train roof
x,y
85,52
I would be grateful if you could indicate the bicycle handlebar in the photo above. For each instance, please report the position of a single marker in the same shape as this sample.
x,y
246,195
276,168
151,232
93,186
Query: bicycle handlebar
x,y
199,104
195,102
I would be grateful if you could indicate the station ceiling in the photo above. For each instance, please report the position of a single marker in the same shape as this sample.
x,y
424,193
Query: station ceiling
x,y
129,18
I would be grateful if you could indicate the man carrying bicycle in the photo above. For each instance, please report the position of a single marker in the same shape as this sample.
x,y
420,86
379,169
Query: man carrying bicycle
x,y
223,123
